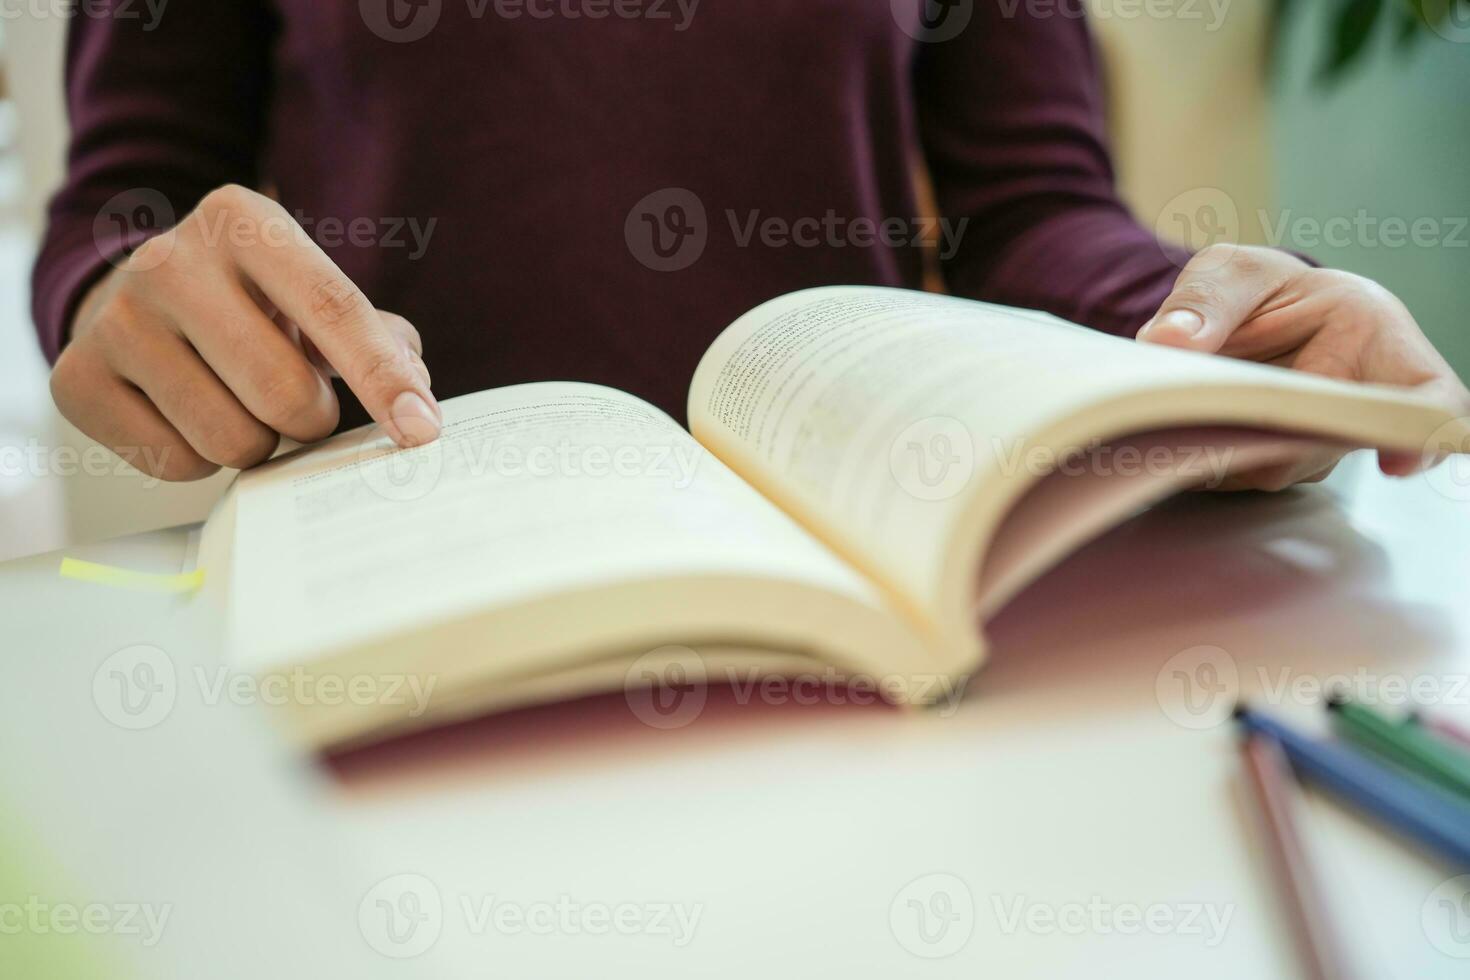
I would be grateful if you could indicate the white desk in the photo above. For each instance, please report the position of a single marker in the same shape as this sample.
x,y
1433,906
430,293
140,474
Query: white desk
x,y
1069,789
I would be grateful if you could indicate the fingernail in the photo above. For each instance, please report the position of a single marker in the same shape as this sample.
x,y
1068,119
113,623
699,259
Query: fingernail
x,y
1186,322
411,421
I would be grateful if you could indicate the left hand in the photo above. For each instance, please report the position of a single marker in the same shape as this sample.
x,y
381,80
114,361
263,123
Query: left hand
x,y
1260,304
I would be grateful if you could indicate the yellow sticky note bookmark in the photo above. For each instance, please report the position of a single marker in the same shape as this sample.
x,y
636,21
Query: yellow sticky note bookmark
x,y
125,578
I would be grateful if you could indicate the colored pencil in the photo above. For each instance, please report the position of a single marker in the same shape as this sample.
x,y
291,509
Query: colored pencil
x,y
1444,729
1408,746
1277,799
1405,803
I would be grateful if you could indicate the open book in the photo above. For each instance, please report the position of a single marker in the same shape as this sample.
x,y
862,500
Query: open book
x,y
872,473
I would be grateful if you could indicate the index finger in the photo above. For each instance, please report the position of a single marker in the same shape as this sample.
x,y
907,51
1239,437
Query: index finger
x,y
306,285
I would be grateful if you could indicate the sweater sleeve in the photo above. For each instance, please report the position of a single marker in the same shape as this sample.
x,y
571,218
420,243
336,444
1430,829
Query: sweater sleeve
x,y
163,109
1011,121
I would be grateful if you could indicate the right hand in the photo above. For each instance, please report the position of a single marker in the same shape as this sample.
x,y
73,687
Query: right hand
x,y
206,345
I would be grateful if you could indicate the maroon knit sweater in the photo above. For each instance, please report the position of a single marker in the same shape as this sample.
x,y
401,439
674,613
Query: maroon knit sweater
x,y
592,189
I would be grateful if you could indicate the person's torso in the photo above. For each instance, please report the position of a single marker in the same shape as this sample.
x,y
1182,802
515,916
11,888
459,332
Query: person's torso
x,y
593,189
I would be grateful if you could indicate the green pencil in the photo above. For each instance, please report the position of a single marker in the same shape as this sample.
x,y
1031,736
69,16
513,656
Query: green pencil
x,y
1406,745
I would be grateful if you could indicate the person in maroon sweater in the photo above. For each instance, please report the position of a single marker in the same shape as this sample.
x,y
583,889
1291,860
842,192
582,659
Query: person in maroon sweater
x,y
544,189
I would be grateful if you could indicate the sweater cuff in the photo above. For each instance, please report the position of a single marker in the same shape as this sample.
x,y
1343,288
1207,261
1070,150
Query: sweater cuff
x,y
72,261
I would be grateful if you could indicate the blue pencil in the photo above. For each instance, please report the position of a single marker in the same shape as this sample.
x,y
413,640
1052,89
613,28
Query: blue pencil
x,y
1408,805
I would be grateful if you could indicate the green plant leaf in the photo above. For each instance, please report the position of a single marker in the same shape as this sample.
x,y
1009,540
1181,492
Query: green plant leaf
x,y
1276,28
1351,30
1410,25
1407,28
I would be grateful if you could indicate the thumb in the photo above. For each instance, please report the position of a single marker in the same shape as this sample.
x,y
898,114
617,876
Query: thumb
x,y
1213,296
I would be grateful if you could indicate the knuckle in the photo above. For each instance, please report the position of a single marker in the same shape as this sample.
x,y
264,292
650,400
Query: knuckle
x,y
402,328
118,323
292,399
1363,297
67,380
175,462
236,443
189,245
1338,278
319,423
1377,297
229,198
334,300
1248,262
1216,255
1199,294
1331,362
382,371
1354,292
154,253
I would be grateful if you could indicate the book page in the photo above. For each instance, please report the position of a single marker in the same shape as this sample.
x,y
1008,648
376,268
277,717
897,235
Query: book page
x,y
901,425
531,491
1071,505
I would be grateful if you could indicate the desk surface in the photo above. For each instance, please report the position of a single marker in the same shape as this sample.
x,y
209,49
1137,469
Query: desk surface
x,y
1083,806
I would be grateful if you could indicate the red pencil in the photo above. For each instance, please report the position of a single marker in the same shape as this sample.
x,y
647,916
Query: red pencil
x,y
1277,797
1445,730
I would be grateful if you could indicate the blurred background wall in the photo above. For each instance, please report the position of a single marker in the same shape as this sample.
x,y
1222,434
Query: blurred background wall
x,y
1210,141
1389,140
66,501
